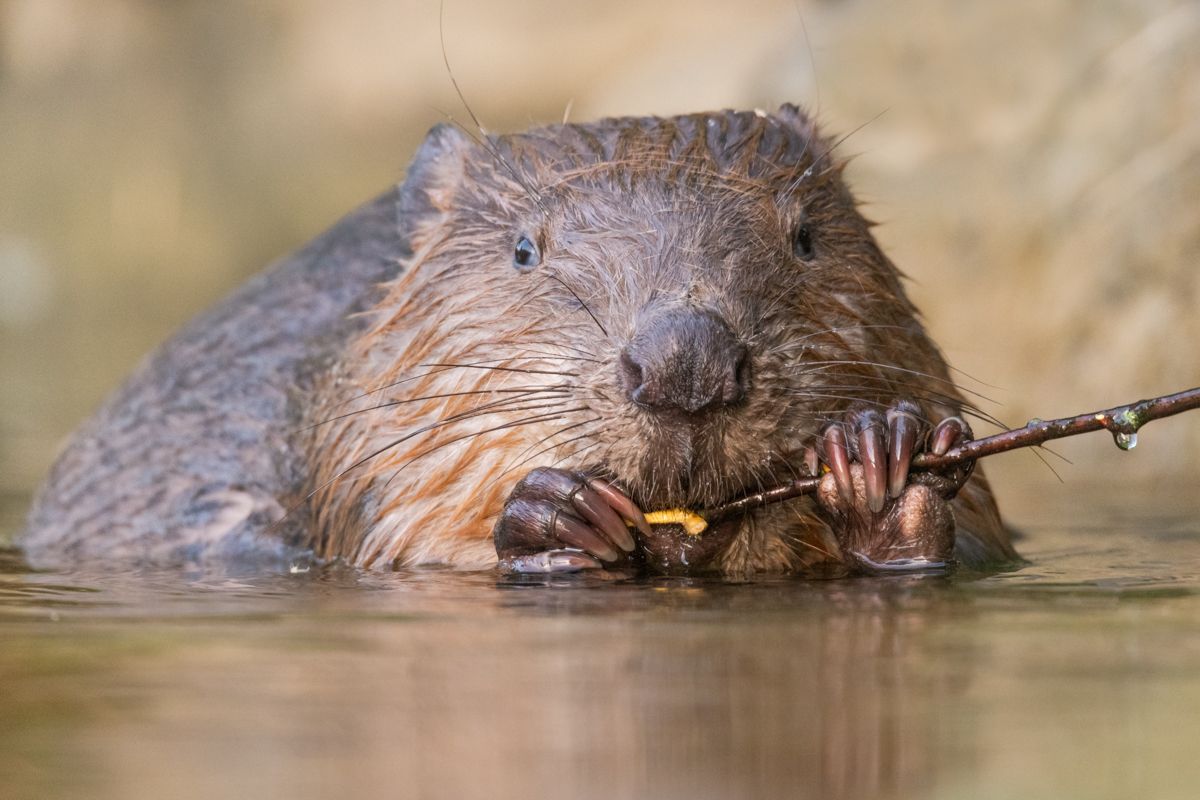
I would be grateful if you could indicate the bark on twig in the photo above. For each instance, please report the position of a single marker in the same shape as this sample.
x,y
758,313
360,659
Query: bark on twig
x,y
1123,422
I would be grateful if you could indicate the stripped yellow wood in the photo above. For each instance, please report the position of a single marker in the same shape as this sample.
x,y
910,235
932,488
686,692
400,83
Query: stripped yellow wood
x,y
693,524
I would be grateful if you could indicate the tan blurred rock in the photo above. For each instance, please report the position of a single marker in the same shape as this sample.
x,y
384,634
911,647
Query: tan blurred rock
x,y
1036,165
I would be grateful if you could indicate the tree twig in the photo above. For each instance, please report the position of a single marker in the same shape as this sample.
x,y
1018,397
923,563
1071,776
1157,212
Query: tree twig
x,y
1123,422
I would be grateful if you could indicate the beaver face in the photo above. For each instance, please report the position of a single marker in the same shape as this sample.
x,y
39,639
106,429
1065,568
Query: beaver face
x,y
691,297
684,369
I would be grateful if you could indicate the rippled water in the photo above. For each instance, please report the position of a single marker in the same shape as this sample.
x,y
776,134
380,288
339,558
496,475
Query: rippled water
x,y
1075,676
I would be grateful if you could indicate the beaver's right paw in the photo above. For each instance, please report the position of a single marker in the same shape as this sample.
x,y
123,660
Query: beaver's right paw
x,y
561,521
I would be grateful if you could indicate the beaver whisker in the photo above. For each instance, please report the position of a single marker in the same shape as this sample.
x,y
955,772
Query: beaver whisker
x,y
882,383
525,392
832,368
574,294
800,539
846,136
786,347
808,171
564,443
497,406
820,365
547,417
558,356
505,369
574,453
487,408
545,439
411,378
866,382
537,290
582,351
483,140
971,377
828,396
965,410
537,354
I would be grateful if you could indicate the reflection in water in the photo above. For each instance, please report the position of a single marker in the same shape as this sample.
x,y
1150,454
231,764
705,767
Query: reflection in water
x,y
662,689
1073,676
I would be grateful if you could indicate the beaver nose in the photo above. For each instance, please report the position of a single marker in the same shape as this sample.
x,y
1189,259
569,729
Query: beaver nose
x,y
685,360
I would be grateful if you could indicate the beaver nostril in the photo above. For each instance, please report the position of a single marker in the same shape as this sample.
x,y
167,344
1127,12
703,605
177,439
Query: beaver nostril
x,y
633,376
741,377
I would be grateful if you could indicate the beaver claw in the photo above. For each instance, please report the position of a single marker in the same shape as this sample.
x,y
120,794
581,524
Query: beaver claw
x,y
563,521
884,517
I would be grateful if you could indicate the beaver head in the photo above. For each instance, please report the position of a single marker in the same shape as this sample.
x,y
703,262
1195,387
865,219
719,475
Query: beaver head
x,y
676,304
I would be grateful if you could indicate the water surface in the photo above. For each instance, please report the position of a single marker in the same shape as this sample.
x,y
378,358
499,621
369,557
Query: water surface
x,y
1075,676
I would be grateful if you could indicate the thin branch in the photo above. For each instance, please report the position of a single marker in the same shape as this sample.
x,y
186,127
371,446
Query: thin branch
x,y
1123,422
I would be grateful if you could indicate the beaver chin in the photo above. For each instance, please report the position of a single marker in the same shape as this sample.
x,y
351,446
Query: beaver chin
x,y
694,473
669,550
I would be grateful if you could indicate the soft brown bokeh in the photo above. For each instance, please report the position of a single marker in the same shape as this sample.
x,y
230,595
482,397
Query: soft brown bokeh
x,y
1036,166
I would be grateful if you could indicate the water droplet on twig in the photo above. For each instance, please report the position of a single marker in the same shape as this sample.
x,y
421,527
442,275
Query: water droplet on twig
x,y
1125,441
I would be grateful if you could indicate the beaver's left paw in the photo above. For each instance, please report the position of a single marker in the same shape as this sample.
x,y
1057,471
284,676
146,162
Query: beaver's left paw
x,y
884,518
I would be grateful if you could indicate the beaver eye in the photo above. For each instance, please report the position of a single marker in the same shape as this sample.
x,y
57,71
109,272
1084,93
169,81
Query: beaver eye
x,y
526,255
802,243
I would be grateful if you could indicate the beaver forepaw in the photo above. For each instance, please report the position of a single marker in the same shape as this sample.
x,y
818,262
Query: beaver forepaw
x,y
885,518
562,521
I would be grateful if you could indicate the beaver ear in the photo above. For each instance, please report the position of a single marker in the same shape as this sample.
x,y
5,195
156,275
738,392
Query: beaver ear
x,y
432,180
808,142
796,117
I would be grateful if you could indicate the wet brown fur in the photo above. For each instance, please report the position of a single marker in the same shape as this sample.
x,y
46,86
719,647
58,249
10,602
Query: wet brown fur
x,y
471,372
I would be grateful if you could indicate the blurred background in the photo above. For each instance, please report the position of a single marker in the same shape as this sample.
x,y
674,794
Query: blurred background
x,y
1035,166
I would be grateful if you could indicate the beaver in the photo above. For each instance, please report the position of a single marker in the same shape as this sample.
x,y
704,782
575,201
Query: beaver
x,y
533,339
